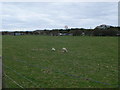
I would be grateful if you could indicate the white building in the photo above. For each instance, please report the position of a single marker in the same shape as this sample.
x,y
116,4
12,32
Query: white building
x,y
103,26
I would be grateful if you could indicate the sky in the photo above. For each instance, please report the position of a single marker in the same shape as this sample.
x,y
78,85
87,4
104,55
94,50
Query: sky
x,y
29,16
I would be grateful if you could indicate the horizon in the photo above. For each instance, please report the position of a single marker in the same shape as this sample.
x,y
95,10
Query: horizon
x,y
49,29
30,16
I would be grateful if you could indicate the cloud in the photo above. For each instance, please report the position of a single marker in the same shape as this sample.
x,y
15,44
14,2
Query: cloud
x,y
42,15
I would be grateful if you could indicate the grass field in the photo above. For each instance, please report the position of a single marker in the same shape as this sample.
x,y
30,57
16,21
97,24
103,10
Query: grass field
x,y
91,62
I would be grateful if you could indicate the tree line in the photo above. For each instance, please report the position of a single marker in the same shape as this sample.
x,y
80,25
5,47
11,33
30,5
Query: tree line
x,y
112,31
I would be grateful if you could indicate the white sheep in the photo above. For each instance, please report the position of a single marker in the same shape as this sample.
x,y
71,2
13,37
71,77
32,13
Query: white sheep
x,y
53,49
64,50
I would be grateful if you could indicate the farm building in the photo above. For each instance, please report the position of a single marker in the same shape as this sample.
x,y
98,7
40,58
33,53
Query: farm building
x,y
17,34
65,34
103,26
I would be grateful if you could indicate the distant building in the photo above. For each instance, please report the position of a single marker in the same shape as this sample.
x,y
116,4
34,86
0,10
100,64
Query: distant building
x,y
16,34
83,34
103,26
65,34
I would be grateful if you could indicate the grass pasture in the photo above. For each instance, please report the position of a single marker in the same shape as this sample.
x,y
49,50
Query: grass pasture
x,y
92,62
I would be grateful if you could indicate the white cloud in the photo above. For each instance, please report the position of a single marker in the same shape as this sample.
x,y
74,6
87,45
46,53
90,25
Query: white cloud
x,y
55,15
59,1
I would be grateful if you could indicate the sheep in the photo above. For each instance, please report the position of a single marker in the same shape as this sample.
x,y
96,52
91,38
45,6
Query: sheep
x,y
64,50
53,49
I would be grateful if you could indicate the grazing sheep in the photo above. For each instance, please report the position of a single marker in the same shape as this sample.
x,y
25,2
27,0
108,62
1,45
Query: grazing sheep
x,y
53,49
64,50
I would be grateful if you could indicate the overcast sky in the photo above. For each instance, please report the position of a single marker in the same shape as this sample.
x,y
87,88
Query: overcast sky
x,y
48,15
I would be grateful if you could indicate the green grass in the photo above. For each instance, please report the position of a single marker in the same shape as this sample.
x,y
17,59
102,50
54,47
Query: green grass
x,y
84,55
